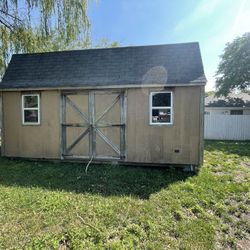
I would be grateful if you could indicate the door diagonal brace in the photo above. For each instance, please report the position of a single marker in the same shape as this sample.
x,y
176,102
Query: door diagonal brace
x,y
77,140
110,143
73,105
108,109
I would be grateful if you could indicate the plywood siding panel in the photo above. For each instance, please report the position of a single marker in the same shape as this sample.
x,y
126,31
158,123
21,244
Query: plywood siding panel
x,y
157,144
131,125
81,101
82,147
11,115
145,143
35,141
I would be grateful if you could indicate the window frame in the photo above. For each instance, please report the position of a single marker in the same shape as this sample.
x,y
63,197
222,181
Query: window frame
x,y
37,108
171,107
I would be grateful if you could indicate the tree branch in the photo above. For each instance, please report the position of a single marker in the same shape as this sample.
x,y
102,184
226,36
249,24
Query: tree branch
x,y
6,24
12,16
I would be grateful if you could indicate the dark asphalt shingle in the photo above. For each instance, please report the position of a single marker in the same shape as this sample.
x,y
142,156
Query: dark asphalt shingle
x,y
156,64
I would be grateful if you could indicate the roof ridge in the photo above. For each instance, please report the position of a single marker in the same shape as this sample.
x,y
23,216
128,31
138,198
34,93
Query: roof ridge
x,y
110,48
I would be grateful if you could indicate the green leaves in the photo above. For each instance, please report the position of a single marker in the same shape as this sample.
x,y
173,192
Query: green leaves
x,y
234,68
42,25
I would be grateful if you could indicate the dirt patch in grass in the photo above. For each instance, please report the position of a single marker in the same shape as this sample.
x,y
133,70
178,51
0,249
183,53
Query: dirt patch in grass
x,y
245,164
243,244
241,176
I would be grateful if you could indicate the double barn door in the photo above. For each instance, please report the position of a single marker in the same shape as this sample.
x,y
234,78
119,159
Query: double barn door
x,y
93,125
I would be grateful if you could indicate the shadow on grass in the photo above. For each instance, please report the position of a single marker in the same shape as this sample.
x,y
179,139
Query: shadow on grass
x,y
106,180
241,148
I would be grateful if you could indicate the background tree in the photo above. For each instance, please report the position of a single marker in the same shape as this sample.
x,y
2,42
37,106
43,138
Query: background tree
x,y
234,68
42,25
104,43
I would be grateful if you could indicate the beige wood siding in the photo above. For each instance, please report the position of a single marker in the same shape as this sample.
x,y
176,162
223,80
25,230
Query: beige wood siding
x,y
35,141
145,143
152,143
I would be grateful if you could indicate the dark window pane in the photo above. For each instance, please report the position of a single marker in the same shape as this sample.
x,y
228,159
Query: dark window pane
x,y
31,116
31,101
161,115
236,112
161,100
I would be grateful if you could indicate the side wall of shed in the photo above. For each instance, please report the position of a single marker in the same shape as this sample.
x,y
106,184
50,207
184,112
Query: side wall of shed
x,y
178,143
34,141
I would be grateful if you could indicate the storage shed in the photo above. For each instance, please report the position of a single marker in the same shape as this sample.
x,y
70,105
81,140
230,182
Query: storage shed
x,y
142,104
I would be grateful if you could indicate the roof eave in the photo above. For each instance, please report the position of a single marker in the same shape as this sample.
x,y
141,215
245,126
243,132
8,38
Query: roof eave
x,y
120,86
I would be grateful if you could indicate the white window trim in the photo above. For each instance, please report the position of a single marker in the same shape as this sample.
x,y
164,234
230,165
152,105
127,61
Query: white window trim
x,y
38,109
164,107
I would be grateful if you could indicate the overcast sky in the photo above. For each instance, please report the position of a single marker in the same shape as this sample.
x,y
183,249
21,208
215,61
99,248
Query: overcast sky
x,y
212,23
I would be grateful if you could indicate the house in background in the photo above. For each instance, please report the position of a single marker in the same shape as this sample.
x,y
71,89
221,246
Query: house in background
x,y
234,104
141,104
227,118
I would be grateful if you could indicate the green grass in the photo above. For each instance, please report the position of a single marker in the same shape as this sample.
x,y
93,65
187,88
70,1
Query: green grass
x,y
46,205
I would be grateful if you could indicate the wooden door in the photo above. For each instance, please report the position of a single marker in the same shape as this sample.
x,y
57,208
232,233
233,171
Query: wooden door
x,y
93,125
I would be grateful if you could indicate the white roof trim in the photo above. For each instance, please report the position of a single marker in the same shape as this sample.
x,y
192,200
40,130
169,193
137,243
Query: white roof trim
x,y
128,86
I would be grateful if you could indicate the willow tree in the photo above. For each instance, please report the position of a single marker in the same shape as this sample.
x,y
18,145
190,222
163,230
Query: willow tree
x,y
42,25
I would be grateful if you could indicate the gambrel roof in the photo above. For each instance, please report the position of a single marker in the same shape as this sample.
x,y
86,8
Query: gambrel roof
x,y
170,64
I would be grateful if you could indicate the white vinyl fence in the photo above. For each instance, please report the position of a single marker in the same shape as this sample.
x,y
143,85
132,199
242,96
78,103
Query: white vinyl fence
x,y
227,127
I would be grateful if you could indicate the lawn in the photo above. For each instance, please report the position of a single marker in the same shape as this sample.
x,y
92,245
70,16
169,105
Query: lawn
x,y
45,205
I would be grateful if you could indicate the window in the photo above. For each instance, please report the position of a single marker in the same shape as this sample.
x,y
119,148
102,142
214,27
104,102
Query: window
x,y
31,109
207,112
161,108
236,112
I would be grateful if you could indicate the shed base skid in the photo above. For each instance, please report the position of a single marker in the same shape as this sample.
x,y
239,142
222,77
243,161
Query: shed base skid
x,y
184,167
